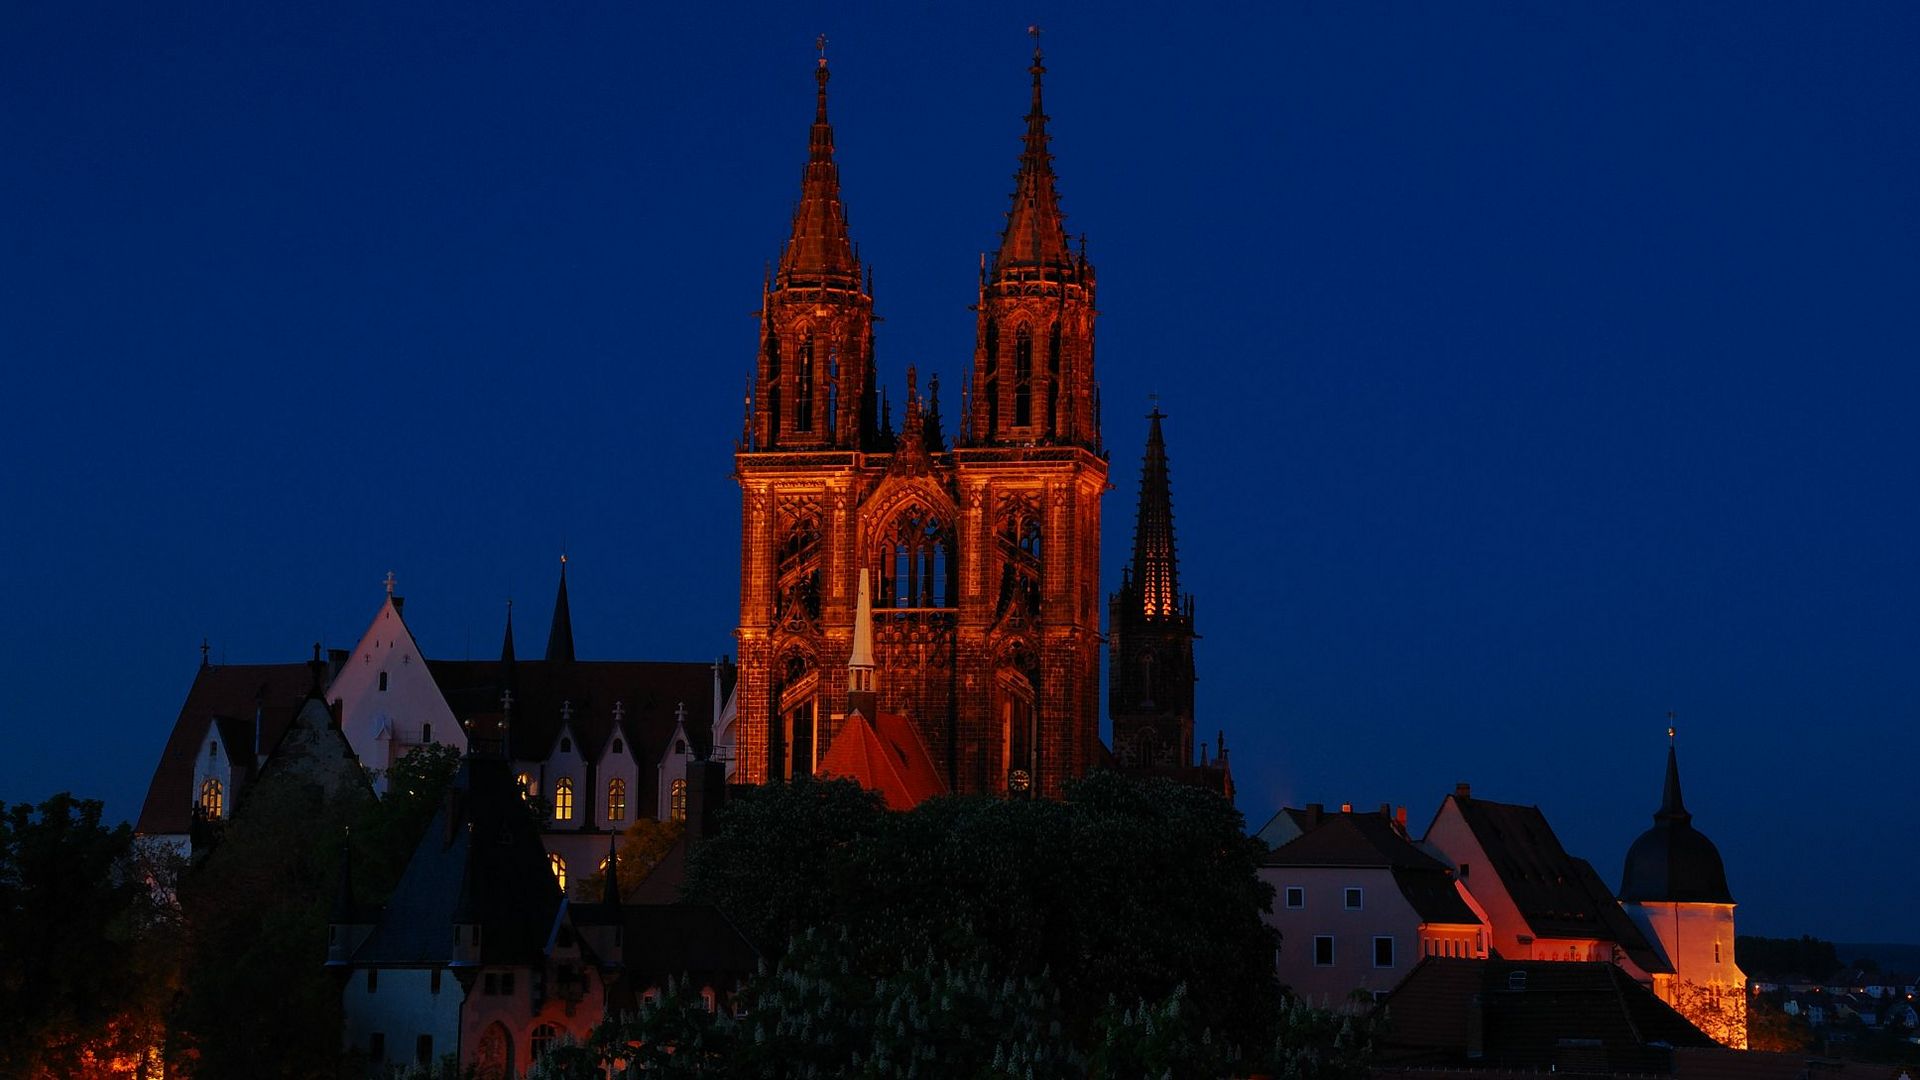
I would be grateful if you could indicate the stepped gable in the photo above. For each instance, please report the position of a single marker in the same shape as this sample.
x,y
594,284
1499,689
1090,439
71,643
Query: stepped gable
x,y
480,861
235,695
1582,1018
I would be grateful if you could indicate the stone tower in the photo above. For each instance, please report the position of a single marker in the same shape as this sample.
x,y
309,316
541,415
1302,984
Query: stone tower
x,y
1150,683
984,555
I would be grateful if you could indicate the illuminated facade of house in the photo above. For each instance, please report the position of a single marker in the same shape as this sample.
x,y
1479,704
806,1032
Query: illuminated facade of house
x,y
986,549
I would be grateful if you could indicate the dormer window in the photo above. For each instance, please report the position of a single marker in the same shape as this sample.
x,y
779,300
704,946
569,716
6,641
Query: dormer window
x,y
680,746
618,746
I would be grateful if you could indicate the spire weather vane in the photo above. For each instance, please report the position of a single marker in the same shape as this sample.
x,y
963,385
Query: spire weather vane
x,y
389,583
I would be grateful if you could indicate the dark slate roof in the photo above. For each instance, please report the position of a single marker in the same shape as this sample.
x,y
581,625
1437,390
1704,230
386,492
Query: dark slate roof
x,y
1375,841
664,940
1673,861
237,694
1559,895
1568,1017
480,860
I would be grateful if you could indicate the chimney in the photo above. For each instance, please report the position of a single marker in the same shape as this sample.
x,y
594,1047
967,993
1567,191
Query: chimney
x,y
1346,808
1400,816
1386,810
1463,790
1315,811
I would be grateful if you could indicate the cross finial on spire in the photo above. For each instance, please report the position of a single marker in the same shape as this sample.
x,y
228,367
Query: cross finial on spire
x,y
389,583
205,648
619,711
566,710
1153,406
506,701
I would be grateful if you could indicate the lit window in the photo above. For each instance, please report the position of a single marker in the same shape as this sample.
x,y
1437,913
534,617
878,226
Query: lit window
x,y
616,799
211,802
1296,897
1353,899
559,870
677,801
542,1041
1323,951
563,799
1383,952
526,784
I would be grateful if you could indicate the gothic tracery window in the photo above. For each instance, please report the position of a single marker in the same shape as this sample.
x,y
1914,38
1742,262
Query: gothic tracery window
x,y
803,387
563,799
917,567
797,581
1020,561
616,799
677,801
992,390
559,867
212,799
1023,378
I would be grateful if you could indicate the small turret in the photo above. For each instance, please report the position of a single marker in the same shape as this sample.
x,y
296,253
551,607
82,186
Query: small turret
x,y
862,694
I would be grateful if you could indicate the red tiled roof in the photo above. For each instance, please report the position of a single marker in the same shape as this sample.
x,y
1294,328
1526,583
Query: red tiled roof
x,y
235,694
887,757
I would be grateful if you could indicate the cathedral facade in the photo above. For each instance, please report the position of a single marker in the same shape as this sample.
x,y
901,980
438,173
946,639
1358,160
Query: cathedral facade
x,y
984,547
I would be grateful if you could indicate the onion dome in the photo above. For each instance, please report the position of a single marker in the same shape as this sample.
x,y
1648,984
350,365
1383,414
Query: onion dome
x,y
1673,862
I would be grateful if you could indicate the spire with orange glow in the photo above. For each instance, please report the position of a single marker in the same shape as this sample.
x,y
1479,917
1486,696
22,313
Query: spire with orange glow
x,y
1033,356
815,385
1156,567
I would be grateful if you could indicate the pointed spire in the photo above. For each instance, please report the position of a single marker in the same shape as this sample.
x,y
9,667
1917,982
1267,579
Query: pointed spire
x,y
1155,564
862,695
560,637
506,643
1036,235
819,251
1672,807
610,887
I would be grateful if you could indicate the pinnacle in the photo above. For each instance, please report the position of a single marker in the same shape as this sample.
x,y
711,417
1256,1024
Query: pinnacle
x,y
1036,235
819,252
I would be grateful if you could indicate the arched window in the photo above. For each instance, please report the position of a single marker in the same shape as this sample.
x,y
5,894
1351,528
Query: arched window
x,y
616,799
917,568
677,803
563,799
1053,379
542,1040
798,579
211,801
773,386
803,387
1021,562
559,870
1023,378
992,390
798,716
525,781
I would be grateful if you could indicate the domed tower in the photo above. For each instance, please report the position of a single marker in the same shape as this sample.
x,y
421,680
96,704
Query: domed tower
x,y
1674,886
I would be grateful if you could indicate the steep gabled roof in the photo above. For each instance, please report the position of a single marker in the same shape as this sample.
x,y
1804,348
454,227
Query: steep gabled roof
x,y
232,692
480,861
1375,841
887,757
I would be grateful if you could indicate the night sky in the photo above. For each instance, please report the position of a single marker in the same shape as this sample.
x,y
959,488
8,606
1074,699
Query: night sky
x,y
1529,372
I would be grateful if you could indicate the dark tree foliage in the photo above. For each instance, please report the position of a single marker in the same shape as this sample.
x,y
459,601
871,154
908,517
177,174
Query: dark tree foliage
x,y
1126,891
256,912
72,909
1807,955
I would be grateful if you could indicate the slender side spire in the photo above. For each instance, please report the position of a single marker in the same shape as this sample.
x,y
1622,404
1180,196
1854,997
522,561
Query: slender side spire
x,y
819,251
1036,233
1672,807
610,888
862,694
560,637
506,643
1156,567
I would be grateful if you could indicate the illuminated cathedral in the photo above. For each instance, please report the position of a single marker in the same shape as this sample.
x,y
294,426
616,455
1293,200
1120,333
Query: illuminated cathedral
x,y
984,547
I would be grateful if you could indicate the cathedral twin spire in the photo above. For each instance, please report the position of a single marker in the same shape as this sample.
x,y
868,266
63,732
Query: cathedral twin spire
x,y
820,251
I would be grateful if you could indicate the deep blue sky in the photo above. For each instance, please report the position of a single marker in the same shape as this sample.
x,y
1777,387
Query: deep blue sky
x,y
1530,372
